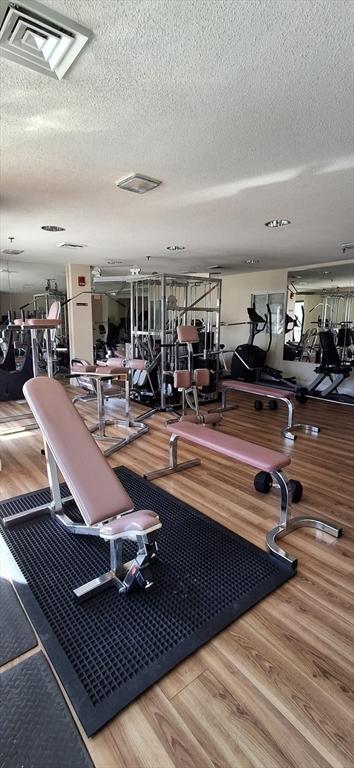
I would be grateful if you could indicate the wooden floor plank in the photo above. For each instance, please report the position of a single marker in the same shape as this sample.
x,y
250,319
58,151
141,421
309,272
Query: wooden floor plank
x,y
275,689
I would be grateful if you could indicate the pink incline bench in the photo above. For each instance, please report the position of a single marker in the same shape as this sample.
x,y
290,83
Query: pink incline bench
x,y
99,495
271,463
284,395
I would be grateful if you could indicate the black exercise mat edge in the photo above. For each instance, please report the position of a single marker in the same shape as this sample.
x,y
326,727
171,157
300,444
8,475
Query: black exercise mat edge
x,y
24,639
61,723
91,720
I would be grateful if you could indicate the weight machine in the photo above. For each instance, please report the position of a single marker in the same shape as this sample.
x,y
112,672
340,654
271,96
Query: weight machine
x,y
159,303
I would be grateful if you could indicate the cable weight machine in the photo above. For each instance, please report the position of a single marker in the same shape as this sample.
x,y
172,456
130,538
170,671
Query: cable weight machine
x,y
159,303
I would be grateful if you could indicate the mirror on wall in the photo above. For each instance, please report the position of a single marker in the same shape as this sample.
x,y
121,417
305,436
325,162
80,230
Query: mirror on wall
x,y
320,299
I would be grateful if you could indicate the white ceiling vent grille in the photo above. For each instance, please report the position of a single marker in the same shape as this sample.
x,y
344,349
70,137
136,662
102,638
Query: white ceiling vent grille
x,y
39,38
71,245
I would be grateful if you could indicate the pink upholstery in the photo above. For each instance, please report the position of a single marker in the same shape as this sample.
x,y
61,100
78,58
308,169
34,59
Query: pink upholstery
x,y
17,321
136,364
97,491
187,334
81,368
114,369
43,322
118,362
182,379
257,389
233,447
143,520
202,377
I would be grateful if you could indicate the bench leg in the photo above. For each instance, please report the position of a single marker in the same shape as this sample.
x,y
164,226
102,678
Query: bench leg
x,y
290,427
224,407
123,575
56,505
173,465
288,524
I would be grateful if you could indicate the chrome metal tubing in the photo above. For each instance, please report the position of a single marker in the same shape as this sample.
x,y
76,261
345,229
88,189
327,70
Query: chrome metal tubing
x,y
288,524
30,514
173,465
279,531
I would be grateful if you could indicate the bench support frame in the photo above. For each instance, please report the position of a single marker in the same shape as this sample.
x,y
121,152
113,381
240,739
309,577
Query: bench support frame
x,y
173,465
290,427
121,575
287,524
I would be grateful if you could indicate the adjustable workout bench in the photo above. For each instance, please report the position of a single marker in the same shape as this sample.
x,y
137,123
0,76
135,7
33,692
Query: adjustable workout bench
x,y
99,495
273,394
269,462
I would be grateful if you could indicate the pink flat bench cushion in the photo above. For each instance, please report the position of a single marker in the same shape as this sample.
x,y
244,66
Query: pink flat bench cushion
x,y
233,447
258,389
41,323
141,521
81,368
97,491
187,334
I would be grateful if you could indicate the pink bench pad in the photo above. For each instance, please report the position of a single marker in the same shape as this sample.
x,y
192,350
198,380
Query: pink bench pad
x,y
233,447
258,389
97,491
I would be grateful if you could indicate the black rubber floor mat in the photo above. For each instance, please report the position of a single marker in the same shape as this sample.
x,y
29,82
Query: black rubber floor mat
x,y
37,730
16,634
110,648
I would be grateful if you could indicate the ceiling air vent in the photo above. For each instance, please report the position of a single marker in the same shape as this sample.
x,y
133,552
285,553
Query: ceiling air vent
x,y
40,38
71,245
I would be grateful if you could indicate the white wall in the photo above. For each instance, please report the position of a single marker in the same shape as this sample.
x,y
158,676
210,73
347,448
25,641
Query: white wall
x,y
236,296
79,312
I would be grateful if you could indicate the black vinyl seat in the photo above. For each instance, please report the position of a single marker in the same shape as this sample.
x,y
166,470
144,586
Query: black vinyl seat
x,y
11,382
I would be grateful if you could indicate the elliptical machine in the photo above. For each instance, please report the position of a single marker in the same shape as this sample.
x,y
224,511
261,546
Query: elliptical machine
x,y
249,360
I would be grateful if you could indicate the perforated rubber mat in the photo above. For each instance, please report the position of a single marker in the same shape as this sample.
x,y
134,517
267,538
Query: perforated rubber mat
x,y
16,634
37,730
110,648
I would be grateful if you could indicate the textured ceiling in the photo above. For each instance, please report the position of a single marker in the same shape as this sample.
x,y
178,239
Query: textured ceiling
x,y
242,108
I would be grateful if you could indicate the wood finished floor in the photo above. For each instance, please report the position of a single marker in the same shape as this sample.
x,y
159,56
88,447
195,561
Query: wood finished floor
x,y
275,689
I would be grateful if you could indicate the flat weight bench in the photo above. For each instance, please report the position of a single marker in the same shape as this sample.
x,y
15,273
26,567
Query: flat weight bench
x,y
273,394
269,462
99,495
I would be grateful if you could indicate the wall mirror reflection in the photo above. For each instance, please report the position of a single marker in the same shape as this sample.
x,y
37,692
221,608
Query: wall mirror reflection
x,y
319,326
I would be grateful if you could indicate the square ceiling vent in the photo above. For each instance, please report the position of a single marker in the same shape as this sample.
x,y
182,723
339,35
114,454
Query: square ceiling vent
x,y
39,38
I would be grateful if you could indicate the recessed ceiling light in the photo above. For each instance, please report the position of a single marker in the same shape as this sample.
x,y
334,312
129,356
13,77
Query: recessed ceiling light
x,y
251,261
53,228
277,223
65,244
11,251
138,183
175,247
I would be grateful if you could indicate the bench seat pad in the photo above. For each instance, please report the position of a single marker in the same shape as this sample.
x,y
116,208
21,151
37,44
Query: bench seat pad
x,y
233,447
141,521
257,389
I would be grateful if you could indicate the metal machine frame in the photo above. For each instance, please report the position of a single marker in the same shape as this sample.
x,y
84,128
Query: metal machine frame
x,y
160,302
287,523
